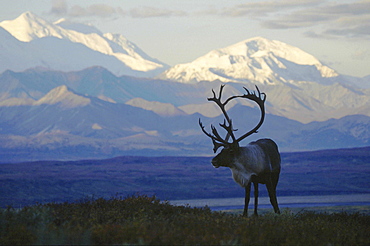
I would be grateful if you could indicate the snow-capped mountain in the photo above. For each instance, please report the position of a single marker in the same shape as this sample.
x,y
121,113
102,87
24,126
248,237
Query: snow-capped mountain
x,y
68,46
255,60
298,85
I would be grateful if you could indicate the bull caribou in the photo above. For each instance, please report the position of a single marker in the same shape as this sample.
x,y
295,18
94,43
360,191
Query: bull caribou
x,y
257,163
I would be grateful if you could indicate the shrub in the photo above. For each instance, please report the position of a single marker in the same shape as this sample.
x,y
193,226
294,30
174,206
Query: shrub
x,y
146,220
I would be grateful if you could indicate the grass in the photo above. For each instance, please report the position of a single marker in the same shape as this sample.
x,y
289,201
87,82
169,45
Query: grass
x,y
145,220
351,209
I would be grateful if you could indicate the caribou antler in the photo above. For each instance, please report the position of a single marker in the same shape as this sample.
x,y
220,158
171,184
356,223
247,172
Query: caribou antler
x,y
227,125
260,100
217,140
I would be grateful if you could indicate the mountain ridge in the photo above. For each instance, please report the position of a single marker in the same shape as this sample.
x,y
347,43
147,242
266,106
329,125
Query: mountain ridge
x,y
256,59
305,101
63,95
163,109
100,128
28,28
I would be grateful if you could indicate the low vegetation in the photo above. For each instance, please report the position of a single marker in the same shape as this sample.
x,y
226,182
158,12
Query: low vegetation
x,y
146,220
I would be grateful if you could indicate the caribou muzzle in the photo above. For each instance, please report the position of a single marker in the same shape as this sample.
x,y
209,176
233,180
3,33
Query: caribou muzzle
x,y
215,163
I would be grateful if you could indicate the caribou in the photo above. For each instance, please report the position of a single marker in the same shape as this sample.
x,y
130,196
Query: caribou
x,y
257,163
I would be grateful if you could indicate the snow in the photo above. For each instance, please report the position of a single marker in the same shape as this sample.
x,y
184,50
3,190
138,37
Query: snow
x,y
29,28
256,59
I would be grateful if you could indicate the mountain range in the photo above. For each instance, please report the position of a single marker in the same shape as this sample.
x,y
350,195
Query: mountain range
x,y
68,46
79,122
256,60
68,92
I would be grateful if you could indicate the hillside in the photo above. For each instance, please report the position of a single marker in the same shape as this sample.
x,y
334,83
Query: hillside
x,y
147,220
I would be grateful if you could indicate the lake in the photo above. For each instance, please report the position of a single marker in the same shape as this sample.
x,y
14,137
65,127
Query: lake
x,y
284,201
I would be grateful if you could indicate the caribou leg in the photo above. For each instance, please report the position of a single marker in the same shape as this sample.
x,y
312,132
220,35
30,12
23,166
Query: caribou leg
x,y
246,199
271,188
255,184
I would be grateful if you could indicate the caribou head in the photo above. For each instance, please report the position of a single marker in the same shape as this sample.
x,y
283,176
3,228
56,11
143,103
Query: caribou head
x,y
258,162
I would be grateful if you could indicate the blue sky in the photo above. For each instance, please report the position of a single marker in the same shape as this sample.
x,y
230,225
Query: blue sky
x,y
174,31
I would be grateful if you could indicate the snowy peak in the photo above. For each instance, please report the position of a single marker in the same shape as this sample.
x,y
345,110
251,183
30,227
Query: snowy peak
x,y
113,48
256,60
261,47
65,97
129,53
29,26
